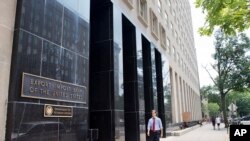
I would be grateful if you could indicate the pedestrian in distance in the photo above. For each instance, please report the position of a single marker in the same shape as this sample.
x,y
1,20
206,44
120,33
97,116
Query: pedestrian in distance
x,y
154,128
218,121
213,121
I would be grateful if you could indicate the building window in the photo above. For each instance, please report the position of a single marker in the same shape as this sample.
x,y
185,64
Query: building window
x,y
182,47
171,26
168,45
181,63
173,51
154,24
166,17
185,53
163,37
130,3
174,13
142,11
178,58
159,6
176,36
169,3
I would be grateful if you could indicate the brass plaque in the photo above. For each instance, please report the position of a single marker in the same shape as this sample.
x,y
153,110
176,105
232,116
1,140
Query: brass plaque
x,y
38,87
57,111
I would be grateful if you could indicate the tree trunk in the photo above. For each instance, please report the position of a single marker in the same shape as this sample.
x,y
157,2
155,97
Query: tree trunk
x,y
223,107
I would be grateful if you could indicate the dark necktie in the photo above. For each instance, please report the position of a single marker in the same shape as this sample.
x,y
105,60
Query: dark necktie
x,y
153,124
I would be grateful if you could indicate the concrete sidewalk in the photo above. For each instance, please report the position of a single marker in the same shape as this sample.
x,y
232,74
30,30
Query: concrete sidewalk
x,y
203,133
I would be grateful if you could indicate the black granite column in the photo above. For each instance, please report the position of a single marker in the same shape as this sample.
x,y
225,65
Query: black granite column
x,y
106,83
133,84
159,78
148,79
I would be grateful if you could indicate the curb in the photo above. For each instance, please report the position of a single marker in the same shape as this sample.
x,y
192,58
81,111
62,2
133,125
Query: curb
x,y
182,132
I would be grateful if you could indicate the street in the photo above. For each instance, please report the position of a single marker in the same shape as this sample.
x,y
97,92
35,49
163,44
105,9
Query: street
x,y
204,133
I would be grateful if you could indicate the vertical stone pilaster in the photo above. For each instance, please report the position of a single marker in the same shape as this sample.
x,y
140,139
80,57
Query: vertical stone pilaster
x,y
7,21
173,97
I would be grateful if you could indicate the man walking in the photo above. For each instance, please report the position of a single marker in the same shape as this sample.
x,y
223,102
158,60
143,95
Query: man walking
x,y
213,122
218,121
155,129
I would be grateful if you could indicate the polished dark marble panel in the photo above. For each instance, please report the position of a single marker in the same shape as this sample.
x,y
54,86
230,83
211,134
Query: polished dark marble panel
x,y
38,49
102,56
129,39
135,126
97,3
103,120
102,91
103,22
131,96
160,93
82,71
31,16
77,126
29,124
52,16
132,126
68,66
27,52
130,69
25,58
41,17
159,82
51,60
75,33
147,75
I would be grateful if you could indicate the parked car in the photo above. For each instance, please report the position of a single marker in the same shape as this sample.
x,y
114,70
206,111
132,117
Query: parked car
x,y
236,121
245,120
39,131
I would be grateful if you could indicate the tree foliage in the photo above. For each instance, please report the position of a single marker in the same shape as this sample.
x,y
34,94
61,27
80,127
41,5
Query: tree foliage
x,y
213,109
231,16
242,101
210,93
231,64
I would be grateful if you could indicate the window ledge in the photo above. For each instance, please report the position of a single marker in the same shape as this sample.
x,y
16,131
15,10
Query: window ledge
x,y
129,4
142,20
155,35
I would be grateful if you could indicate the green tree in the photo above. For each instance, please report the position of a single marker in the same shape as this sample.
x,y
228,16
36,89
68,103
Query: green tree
x,y
214,98
231,64
242,101
213,109
231,16
210,93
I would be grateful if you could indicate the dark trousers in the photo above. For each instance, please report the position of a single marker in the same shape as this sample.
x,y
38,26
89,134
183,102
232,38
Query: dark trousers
x,y
155,136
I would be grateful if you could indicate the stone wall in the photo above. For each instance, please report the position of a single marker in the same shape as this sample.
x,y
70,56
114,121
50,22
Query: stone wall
x,y
7,20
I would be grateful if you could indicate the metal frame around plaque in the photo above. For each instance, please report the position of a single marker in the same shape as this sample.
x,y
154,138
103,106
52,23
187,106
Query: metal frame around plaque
x,y
54,99
57,106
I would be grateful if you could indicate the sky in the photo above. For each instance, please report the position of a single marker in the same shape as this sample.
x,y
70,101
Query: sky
x,y
203,44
